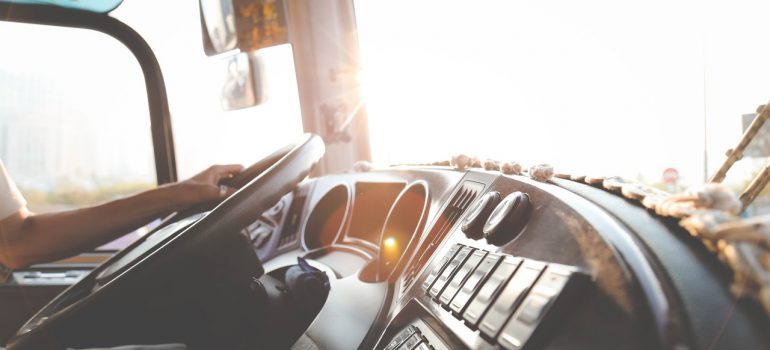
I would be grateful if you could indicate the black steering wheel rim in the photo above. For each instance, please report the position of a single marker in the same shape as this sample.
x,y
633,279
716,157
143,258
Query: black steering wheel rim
x,y
278,174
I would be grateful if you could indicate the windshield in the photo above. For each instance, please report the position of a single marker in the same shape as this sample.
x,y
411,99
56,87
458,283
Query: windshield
x,y
634,89
74,125
205,134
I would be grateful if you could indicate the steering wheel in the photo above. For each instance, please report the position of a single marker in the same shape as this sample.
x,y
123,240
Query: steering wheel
x,y
194,280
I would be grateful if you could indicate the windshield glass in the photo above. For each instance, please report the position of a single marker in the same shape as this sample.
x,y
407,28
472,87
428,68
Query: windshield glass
x,y
74,122
77,136
205,134
595,87
74,130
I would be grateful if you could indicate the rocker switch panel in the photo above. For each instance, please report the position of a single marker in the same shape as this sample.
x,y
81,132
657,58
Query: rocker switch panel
x,y
449,271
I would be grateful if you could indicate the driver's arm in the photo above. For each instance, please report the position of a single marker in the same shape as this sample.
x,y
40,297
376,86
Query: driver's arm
x,y
27,238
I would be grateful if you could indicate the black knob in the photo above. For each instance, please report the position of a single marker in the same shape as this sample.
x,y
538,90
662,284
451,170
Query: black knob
x,y
508,219
473,224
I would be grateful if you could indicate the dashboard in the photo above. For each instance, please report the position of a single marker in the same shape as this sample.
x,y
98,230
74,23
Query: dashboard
x,y
436,258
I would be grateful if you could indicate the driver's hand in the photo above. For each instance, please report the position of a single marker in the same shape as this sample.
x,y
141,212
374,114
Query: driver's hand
x,y
205,187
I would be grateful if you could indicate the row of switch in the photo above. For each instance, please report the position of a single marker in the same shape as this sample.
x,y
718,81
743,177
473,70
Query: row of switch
x,y
259,233
412,338
502,296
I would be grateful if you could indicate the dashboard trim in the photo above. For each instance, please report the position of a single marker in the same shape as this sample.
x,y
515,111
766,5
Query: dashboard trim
x,y
693,276
667,318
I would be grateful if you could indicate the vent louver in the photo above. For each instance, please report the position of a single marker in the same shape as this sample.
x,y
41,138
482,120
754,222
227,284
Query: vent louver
x,y
462,198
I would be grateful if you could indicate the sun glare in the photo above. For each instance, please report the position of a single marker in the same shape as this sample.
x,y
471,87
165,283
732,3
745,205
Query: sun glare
x,y
389,243
561,82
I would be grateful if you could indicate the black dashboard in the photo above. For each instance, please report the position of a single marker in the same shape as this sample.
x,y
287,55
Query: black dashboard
x,y
435,258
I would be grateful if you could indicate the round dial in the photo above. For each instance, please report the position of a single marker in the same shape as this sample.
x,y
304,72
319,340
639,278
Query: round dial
x,y
508,219
473,224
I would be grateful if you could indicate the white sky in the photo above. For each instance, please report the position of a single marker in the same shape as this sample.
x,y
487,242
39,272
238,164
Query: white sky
x,y
602,87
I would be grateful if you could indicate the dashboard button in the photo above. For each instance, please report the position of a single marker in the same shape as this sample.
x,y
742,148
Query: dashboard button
x,y
411,342
449,271
440,266
548,288
510,297
473,283
489,290
261,235
473,224
460,277
401,337
533,309
508,219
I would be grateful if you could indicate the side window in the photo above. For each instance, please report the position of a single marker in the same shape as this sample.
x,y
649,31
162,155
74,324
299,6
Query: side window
x,y
74,122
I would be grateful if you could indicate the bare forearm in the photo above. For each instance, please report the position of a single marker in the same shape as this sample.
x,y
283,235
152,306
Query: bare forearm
x,y
28,239
48,237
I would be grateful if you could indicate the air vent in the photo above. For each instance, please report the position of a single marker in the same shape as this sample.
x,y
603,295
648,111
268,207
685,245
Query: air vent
x,y
462,198
289,232
451,214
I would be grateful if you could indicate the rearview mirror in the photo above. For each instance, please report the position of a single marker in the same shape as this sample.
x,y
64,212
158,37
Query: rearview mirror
x,y
244,84
247,25
218,24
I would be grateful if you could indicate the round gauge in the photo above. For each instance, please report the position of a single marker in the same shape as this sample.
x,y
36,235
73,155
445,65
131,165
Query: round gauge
x,y
327,218
405,221
508,219
473,224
